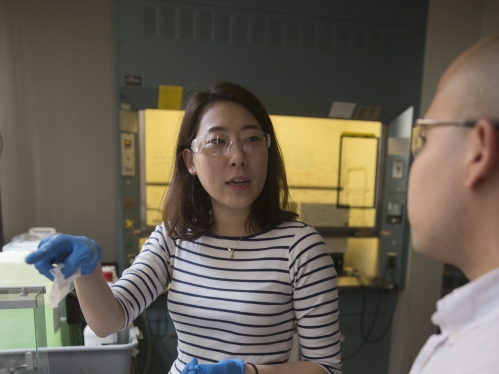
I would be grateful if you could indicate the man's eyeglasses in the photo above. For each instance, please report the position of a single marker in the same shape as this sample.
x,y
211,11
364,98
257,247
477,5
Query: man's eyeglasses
x,y
421,124
218,143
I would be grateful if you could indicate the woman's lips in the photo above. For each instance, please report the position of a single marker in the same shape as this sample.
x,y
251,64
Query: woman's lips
x,y
238,184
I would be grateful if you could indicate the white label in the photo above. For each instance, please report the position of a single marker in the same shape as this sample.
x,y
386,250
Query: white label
x,y
56,313
398,169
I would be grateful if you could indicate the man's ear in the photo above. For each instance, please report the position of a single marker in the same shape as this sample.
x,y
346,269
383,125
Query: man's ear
x,y
485,156
188,157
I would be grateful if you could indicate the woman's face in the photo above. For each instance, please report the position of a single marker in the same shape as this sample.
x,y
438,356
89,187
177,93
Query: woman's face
x,y
234,180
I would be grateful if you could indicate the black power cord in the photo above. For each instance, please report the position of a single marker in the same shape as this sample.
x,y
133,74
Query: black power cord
x,y
22,367
160,324
366,337
147,334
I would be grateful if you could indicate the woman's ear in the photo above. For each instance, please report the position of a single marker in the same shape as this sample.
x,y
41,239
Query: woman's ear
x,y
188,157
485,152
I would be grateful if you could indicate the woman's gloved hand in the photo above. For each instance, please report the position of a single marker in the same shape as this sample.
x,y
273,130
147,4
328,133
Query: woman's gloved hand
x,y
233,366
190,368
72,251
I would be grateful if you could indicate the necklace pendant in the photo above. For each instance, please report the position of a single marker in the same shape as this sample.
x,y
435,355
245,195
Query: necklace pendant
x,y
231,252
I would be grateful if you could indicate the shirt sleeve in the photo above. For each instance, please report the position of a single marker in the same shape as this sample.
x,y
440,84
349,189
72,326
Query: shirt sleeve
x,y
315,300
147,277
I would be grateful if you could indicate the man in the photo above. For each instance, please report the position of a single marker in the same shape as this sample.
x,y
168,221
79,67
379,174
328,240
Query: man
x,y
454,210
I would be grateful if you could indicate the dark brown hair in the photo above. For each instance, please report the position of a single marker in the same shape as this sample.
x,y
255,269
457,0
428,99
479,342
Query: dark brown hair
x,y
186,212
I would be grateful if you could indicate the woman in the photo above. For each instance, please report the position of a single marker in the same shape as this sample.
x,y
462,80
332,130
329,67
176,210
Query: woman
x,y
243,273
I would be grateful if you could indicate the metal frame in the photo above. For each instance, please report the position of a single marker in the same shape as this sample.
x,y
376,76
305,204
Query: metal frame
x,y
340,188
27,297
142,170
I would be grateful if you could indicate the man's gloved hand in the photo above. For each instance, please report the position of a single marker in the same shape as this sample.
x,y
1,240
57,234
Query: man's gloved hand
x,y
233,366
190,368
72,251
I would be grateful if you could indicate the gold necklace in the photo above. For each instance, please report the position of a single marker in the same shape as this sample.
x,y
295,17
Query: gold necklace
x,y
231,250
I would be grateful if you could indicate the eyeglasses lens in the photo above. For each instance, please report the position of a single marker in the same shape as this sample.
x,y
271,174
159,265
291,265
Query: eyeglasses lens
x,y
417,139
219,143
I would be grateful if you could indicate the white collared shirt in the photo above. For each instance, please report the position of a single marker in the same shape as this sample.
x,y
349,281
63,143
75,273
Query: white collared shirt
x,y
469,322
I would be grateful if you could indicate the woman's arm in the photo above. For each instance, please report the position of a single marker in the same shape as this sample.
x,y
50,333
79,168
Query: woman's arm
x,y
94,295
315,300
103,313
108,310
298,367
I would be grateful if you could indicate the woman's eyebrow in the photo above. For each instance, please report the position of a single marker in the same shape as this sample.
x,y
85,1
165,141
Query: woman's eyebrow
x,y
217,128
223,128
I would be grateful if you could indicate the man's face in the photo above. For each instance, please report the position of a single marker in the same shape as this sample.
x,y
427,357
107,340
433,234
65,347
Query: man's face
x,y
435,187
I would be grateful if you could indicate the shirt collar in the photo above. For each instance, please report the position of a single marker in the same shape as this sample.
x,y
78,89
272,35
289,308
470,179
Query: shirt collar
x,y
468,303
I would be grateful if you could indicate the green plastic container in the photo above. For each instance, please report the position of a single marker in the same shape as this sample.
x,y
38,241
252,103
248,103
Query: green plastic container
x,y
29,305
17,325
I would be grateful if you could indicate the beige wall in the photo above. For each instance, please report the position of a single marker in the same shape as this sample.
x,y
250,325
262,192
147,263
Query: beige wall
x,y
453,26
57,119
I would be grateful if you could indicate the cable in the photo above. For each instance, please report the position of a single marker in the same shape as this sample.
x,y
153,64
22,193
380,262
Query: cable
x,y
22,367
147,334
366,337
390,319
163,318
354,353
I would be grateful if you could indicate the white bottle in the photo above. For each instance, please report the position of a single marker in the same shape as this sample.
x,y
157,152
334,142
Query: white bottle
x,y
92,340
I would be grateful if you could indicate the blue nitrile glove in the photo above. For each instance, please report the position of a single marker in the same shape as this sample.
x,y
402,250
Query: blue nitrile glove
x,y
190,368
232,366
72,251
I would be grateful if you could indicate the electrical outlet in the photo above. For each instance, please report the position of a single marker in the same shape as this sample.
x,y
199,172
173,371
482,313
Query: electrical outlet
x,y
391,261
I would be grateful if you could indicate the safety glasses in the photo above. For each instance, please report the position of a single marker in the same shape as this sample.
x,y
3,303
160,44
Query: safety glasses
x,y
218,143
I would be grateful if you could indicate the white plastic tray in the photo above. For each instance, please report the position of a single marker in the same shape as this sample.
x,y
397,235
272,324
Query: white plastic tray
x,y
105,359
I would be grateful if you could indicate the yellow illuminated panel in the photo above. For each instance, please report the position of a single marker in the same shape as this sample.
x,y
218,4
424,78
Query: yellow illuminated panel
x,y
155,195
358,178
358,171
311,147
311,151
362,255
161,132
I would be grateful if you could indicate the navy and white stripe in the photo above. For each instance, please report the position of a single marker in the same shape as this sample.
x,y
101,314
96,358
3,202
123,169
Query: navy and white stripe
x,y
246,307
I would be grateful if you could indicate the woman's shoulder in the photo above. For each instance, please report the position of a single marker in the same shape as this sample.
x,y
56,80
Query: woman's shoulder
x,y
300,234
297,227
285,225
160,235
286,229
162,230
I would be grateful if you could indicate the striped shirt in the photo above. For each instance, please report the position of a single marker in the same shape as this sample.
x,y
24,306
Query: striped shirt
x,y
247,307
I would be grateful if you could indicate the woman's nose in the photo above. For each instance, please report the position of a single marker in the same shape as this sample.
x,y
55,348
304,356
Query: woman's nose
x,y
237,157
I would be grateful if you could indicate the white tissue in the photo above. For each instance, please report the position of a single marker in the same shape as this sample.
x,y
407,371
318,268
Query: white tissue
x,y
61,285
